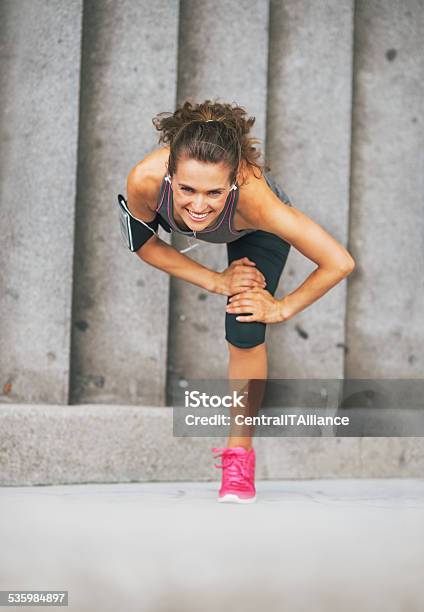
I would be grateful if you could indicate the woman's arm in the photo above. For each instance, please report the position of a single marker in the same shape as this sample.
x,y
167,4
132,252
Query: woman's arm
x,y
263,210
141,202
161,255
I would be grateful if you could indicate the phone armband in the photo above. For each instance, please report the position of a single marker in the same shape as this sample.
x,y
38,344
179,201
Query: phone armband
x,y
135,232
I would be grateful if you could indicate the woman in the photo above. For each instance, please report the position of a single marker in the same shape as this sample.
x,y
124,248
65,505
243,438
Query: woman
x,y
204,185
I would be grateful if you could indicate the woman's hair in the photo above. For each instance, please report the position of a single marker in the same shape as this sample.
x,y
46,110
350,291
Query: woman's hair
x,y
209,132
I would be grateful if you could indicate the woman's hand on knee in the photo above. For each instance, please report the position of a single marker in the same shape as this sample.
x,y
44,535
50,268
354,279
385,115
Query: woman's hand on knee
x,y
260,304
240,275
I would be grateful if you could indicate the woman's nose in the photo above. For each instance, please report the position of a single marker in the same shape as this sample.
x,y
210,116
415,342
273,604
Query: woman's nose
x,y
198,203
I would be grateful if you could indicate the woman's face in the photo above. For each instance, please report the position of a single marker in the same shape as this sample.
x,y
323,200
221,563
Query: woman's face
x,y
200,190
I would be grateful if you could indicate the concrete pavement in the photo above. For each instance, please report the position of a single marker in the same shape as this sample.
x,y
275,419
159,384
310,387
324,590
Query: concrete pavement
x,y
311,545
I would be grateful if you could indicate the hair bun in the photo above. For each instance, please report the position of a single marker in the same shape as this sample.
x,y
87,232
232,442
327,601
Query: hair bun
x,y
184,129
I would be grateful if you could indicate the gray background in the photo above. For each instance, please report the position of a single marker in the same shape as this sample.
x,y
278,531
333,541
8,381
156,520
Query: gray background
x,y
337,91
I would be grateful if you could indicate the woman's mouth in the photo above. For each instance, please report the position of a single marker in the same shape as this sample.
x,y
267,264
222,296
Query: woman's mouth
x,y
196,216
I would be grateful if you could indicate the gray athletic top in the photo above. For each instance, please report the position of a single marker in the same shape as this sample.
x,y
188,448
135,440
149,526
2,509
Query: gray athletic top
x,y
222,230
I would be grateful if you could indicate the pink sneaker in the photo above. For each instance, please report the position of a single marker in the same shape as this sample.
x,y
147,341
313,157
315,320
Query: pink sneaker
x,y
238,475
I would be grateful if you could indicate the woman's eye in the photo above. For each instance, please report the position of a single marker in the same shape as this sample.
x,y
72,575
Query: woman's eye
x,y
190,189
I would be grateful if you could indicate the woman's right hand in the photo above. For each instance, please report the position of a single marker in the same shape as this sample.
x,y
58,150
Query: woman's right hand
x,y
240,275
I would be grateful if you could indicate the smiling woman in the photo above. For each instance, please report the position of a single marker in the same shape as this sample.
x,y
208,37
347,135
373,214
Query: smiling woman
x,y
203,212
207,183
200,194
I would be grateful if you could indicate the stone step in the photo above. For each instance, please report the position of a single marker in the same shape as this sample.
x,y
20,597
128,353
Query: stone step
x,y
53,444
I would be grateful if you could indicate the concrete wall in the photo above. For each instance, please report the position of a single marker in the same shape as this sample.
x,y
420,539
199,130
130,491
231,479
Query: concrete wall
x,y
120,306
385,323
309,128
39,113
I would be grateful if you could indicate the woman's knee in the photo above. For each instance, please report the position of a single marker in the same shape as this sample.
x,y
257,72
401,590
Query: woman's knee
x,y
244,335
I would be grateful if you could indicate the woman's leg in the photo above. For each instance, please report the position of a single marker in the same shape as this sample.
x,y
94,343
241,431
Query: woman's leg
x,y
247,371
248,366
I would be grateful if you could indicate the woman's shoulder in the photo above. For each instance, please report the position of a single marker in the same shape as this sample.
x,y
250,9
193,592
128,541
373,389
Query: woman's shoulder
x,y
147,175
252,184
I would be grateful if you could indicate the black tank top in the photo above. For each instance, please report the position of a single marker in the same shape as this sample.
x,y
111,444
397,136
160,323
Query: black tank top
x,y
222,230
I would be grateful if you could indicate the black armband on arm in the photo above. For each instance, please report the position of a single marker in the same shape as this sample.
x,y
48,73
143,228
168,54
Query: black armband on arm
x,y
136,232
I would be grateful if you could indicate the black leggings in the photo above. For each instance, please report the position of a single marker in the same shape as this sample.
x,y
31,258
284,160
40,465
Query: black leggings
x,y
270,253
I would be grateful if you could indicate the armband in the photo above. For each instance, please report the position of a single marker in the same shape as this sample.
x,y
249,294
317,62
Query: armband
x,y
135,232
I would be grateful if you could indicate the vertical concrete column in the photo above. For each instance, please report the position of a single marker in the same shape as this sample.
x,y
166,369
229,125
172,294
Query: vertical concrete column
x,y
223,56
120,312
385,323
39,94
309,127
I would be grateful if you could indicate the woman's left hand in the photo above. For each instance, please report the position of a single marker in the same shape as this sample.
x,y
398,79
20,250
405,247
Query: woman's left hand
x,y
263,306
